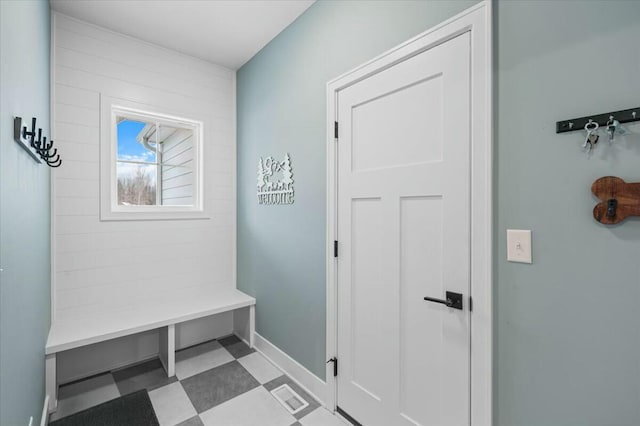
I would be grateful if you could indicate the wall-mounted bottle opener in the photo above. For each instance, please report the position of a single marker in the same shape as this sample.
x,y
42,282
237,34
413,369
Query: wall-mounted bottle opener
x,y
619,200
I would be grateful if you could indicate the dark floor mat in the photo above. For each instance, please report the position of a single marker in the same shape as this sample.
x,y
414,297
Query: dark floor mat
x,y
134,409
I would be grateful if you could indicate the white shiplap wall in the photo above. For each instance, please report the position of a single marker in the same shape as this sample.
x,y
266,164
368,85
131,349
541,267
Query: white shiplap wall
x,y
103,266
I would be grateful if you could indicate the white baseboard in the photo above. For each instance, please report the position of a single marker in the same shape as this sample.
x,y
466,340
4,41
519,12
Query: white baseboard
x,y
303,377
44,419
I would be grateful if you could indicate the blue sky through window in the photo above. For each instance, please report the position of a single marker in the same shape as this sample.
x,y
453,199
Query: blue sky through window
x,y
128,147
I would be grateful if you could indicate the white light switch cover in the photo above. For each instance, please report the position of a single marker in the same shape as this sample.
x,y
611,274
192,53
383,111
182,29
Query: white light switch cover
x,y
519,245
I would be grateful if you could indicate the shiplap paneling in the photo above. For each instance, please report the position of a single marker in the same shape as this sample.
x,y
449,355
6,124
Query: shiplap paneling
x,y
105,266
79,151
140,54
68,132
73,96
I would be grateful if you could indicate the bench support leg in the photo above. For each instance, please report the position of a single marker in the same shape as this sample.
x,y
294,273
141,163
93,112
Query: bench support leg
x,y
51,383
168,349
252,324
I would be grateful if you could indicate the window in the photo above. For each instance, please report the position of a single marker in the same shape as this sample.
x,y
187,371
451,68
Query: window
x,y
154,166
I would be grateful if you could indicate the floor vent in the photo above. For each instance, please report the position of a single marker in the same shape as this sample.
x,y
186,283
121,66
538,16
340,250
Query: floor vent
x,y
289,399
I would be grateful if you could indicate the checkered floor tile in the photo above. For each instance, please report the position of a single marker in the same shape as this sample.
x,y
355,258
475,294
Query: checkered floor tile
x,y
222,382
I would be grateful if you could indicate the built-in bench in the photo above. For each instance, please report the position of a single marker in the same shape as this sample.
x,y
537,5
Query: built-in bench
x,y
69,332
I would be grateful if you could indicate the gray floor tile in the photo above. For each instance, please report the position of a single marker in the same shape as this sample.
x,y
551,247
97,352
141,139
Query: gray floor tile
x,y
204,398
148,375
235,346
193,421
259,367
322,417
229,340
84,394
254,408
220,384
197,359
171,404
313,404
199,349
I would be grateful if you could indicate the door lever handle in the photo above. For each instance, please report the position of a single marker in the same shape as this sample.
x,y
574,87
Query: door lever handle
x,y
453,300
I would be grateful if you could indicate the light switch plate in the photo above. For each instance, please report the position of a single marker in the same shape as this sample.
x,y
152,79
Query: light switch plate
x,y
519,245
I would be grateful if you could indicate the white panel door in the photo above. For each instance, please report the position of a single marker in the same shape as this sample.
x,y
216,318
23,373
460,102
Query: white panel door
x,y
404,232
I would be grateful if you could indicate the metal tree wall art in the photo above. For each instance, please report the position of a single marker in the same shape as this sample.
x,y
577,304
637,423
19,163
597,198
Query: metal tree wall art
x,y
275,181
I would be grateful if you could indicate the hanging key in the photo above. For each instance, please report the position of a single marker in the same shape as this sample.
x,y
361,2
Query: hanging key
x,y
592,135
590,141
612,128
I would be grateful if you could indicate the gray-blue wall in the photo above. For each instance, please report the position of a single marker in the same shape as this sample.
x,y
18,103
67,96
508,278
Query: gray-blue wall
x,y
567,331
567,327
24,213
281,108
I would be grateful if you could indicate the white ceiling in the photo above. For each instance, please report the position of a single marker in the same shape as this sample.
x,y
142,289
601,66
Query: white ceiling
x,y
224,32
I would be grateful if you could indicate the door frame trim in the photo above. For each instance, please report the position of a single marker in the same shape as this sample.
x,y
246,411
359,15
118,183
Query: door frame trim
x,y
478,21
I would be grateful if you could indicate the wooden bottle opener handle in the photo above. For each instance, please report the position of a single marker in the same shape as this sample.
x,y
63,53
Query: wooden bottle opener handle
x,y
619,200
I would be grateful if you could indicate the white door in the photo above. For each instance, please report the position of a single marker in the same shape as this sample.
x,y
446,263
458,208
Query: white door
x,y
404,233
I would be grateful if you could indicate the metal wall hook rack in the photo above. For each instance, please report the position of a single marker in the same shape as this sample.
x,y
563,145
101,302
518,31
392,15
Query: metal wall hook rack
x,y
35,144
603,120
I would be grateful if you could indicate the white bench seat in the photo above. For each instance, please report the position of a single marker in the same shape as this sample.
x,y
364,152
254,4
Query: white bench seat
x,y
69,331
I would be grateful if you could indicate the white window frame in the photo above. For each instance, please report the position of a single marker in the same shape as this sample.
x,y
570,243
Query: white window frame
x,y
112,108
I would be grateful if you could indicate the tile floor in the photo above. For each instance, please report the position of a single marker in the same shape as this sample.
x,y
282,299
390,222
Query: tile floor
x,y
222,383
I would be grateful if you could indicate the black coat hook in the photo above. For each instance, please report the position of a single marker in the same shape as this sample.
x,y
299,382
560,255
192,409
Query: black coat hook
x,y
35,143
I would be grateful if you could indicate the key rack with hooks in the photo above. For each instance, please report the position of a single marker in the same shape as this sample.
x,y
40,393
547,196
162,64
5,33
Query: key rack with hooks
x,y
610,121
603,120
35,144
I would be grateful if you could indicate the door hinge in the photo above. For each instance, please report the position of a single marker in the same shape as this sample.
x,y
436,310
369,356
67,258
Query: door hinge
x,y
335,248
335,129
470,304
334,360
